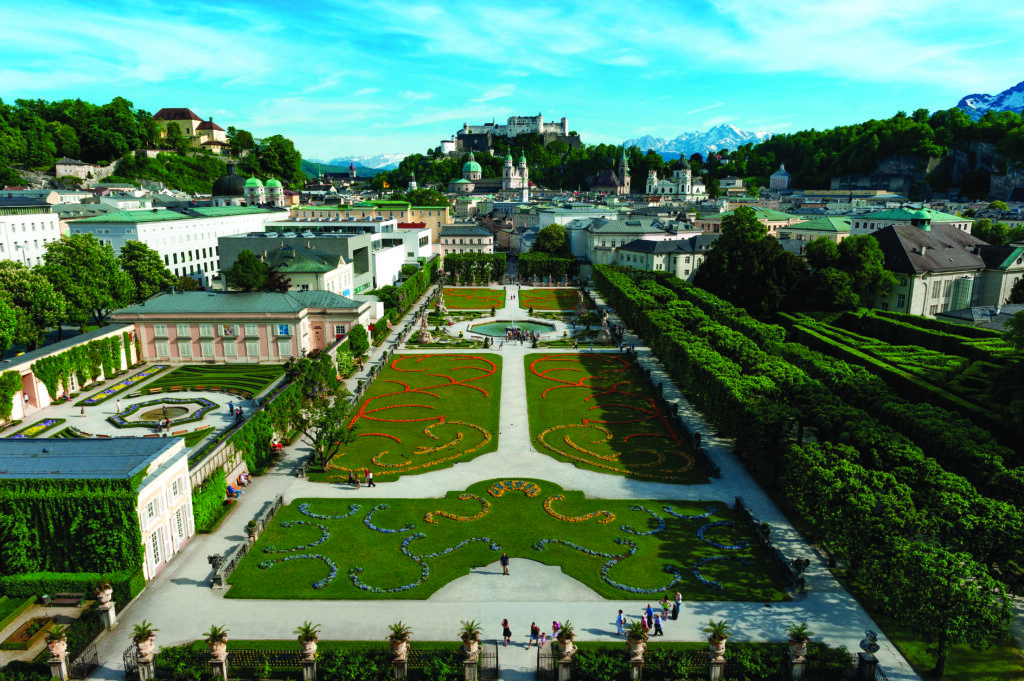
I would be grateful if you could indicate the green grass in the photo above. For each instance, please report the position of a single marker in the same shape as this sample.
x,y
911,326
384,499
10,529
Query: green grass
x,y
1002,663
121,385
515,523
11,608
322,645
473,298
550,299
599,412
456,397
68,432
196,436
246,379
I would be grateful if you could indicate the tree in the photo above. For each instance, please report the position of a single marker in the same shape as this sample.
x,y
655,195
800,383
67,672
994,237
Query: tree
x,y
997,234
1014,331
551,239
8,325
248,273
948,598
87,274
1016,293
861,257
822,253
323,416
186,283
276,282
998,205
358,340
427,197
36,303
146,269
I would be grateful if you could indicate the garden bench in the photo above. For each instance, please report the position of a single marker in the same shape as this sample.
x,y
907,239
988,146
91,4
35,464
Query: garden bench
x,y
202,428
104,436
180,433
72,600
153,391
152,435
176,387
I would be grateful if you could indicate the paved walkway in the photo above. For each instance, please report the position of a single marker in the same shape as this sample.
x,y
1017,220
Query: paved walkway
x,y
182,605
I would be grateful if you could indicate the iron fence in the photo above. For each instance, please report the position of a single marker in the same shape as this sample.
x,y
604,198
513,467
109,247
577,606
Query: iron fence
x,y
489,661
87,660
546,668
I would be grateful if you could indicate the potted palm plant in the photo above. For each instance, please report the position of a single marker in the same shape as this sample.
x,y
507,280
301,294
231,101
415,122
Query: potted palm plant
x,y
798,635
718,633
566,637
217,640
144,636
399,635
470,635
57,641
636,639
308,634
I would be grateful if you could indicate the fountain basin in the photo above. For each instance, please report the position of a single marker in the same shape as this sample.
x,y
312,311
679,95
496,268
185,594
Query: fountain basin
x,y
497,328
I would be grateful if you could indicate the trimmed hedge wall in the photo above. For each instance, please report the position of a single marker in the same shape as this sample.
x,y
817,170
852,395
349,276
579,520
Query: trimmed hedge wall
x,y
86,362
208,501
939,325
127,584
899,332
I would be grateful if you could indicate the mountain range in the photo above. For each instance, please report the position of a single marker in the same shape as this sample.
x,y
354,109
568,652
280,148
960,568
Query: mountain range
x,y
721,136
376,162
1010,99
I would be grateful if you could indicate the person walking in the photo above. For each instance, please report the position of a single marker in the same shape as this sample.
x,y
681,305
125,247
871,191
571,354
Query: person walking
x,y
506,631
83,410
118,406
649,613
231,408
666,608
504,563
675,606
620,622
369,478
657,626
534,635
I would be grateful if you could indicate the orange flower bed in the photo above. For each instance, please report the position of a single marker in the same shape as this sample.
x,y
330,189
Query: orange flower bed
x,y
608,515
528,488
485,508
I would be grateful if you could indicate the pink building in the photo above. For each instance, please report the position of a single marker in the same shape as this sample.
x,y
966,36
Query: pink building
x,y
221,326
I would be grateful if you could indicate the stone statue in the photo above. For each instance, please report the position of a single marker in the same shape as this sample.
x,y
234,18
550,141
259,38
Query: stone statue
x,y
604,336
425,335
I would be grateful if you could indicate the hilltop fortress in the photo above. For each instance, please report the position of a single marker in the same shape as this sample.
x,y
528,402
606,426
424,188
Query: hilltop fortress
x,y
481,137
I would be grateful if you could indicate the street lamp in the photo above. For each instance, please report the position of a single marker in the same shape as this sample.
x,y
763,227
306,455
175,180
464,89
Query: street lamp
x,y
23,248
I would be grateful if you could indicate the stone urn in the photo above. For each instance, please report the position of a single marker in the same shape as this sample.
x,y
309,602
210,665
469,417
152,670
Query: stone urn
x,y
636,650
566,649
146,647
308,651
717,648
400,649
104,594
218,650
58,647
798,648
471,646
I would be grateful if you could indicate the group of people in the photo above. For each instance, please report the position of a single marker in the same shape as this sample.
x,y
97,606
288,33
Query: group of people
x,y
535,636
651,620
163,424
353,478
514,333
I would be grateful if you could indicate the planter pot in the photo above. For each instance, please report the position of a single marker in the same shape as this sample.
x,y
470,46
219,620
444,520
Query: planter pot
x,y
472,646
400,649
636,650
218,651
146,647
103,596
58,648
308,650
717,649
566,649
798,649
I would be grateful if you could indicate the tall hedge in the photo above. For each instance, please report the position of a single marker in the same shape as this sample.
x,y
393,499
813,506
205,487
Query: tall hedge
x,y
10,383
208,501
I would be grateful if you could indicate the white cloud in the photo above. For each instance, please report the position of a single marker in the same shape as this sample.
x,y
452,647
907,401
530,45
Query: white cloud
x,y
496,92
706,108
362,92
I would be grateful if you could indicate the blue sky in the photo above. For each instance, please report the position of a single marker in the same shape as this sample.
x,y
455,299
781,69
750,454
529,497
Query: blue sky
x,y
367,77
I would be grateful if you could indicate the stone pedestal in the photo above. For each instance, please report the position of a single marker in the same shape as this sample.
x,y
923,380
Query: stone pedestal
x,y
636,670
564,667
220,668
715,670
147,670
796,665
59,667
470,667
308,670
401,668
867,665
108,614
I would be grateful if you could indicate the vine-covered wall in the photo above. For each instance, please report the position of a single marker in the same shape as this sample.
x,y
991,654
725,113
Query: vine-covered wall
x,y
86,362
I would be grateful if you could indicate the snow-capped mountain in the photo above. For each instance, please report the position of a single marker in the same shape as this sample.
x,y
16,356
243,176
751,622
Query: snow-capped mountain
x,y
1011,99
721,136
377,161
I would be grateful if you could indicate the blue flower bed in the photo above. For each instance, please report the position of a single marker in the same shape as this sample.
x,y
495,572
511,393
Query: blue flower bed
x,y
205,407
123,385
721,523
661,523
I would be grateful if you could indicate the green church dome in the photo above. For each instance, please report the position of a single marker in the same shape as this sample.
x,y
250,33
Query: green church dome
x,y
273,183
471,166
253,182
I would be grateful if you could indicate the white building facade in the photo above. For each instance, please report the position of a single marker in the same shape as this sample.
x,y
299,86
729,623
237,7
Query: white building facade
x,y
26,226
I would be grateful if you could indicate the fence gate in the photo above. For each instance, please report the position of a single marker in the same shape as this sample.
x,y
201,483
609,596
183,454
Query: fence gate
x,y
488,662
131,663
87,660
546,670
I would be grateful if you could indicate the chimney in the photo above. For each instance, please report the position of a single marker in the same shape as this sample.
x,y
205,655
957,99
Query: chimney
x,y
923,249
999,309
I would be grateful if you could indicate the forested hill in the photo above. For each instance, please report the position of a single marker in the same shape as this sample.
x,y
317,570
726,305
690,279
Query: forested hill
x,y
945,151
36,133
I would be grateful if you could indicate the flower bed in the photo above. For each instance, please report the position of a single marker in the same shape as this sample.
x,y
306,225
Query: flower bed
x,y
36,429
122,385
205,407
28,634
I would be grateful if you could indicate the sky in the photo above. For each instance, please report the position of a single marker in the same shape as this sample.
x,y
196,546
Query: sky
x,y
364,77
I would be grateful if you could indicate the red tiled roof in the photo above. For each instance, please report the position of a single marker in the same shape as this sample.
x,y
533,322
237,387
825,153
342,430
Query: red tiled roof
x,y
209,125
412,225
176,115
214,143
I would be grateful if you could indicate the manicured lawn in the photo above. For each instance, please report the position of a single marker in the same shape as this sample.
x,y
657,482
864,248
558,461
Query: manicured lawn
x,y
473,298
422,413
550,299
598,411
409,548
121,386
246,379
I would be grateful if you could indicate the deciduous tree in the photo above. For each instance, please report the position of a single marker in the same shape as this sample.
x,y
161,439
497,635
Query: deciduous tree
x,y
37,304
248,273
87,274
146,269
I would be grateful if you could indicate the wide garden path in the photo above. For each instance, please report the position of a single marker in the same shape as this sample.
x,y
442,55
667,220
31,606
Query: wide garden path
x,y
182,605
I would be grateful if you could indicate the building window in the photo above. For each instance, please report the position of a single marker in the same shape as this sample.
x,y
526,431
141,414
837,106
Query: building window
x,y
180,523
903,282
207,349
284,329
150,510
206,330
901,301
933,310
162,349
230,350
184,330
252,349
174,488
160,330
185,349
155,544
250,330
339,330
303,287
284,348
